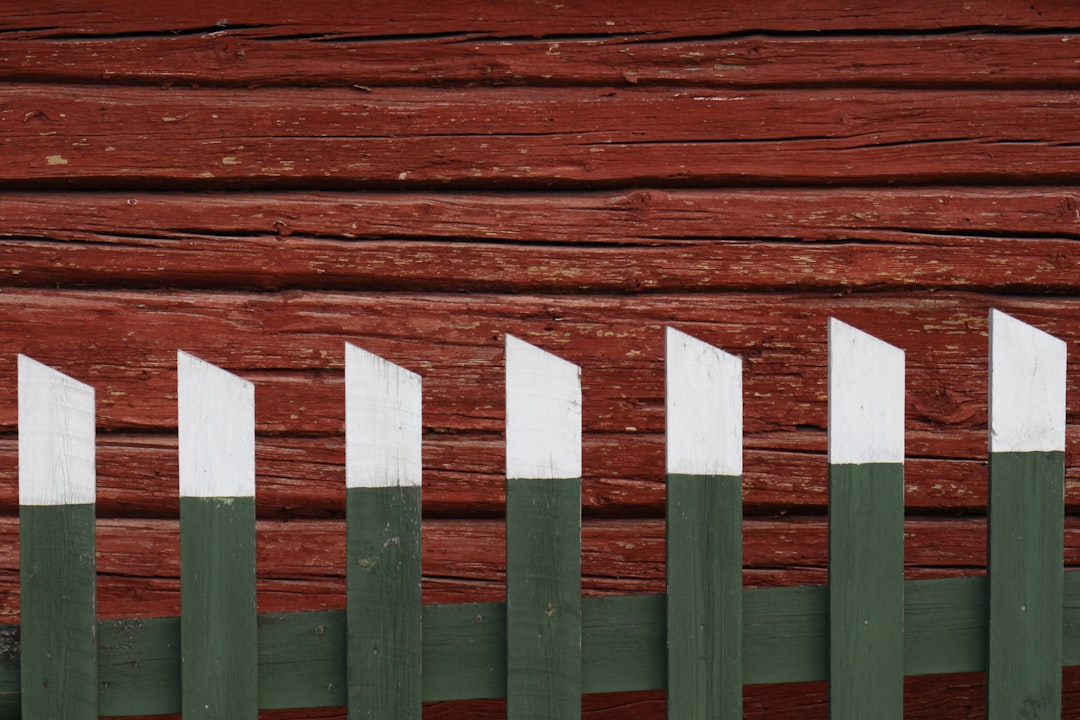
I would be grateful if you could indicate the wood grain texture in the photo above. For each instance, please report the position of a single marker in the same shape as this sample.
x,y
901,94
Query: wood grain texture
x,y
460,54
86,18
498,138
641,241
903,166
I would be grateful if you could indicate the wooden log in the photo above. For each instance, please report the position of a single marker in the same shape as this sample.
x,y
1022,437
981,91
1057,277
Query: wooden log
x,y
531,137
642,241
648,217
458,54
86,18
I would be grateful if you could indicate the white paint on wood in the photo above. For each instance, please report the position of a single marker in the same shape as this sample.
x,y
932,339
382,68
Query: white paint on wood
x,y
704,408
543,414
383,432
1027,387
217,430
866,398
56,437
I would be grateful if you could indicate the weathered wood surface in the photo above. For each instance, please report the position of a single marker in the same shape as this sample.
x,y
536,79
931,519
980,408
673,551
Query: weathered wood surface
x,y
498,138
996,239
280,56
292,346
87,18
424,179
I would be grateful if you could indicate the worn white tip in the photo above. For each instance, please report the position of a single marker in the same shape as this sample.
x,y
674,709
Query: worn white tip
x,y
866,398
383,432
217,430
543,414
1027,387
56,437
704,408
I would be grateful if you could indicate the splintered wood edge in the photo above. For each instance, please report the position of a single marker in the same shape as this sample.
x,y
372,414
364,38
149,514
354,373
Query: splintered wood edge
x,y
383,429
703,408
1027,387
866,398
56,437
216,411
543,414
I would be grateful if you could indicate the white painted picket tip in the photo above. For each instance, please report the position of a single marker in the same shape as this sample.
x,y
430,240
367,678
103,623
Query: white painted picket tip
x,y
866,398
1027,387
703,408
216,412
543,414
383,425
56,437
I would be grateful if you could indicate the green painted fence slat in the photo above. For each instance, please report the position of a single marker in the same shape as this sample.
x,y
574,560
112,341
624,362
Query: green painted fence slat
x,y
866,526
543,535
217,607
218,625
543,598
704,602
383,480
1026,533
704,530
59,672
57,572
383,579
1025,559
866,590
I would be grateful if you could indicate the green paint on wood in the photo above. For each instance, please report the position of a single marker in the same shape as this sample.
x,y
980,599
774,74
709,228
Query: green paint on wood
x,y
543,599
866,591
58,575
139,666
384,616
302,655
218,637
1025,559
704,602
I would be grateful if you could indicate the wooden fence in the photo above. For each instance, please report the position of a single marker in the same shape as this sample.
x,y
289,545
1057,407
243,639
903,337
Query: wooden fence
x,y
703,640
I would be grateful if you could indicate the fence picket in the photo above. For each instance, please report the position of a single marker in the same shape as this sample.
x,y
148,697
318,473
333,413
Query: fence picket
x,y
866,526
543,534
701,640
56,538
383,481
1025,553
218,630
704,530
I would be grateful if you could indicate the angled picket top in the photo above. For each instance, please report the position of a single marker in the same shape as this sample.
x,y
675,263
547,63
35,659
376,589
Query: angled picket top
x,y
702,640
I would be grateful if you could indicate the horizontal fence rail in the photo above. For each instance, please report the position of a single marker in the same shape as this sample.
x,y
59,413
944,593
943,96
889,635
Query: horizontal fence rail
x,y
702,641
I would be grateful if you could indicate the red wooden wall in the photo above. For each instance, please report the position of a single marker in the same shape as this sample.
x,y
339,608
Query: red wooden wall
x,y
257,183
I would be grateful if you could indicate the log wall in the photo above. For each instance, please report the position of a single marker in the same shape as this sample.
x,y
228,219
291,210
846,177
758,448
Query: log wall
x,y
257,183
